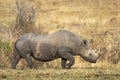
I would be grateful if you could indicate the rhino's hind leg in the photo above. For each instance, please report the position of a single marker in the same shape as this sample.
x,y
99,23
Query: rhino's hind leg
x,y
65,54
29,61
27,56
16,59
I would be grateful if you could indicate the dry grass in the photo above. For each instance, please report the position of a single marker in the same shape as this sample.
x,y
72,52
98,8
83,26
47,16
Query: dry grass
x,y
96,19
81,73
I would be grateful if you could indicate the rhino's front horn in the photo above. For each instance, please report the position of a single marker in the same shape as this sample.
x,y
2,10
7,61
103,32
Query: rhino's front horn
x,y
99,55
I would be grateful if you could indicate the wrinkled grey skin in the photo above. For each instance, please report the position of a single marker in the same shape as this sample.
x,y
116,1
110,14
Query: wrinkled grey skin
x,y
61,44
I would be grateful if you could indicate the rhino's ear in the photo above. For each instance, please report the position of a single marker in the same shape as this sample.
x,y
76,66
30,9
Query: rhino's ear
x,y
90,41
84,42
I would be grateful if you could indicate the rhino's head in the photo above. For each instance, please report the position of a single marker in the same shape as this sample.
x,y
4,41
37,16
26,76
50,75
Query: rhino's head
x,y
87,53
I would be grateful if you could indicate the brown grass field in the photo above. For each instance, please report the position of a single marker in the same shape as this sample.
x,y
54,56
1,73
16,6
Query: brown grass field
x,y
92,19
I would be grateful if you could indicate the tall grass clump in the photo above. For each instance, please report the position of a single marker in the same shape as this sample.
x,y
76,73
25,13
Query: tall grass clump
x,y
5,53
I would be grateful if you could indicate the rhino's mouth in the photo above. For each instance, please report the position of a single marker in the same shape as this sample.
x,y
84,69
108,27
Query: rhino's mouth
x,y
89,59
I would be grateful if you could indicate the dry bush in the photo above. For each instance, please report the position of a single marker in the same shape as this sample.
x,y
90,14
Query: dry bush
x,y
108,41
25,18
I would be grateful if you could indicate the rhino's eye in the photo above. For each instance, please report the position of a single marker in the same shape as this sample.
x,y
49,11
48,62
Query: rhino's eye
x,y
90,54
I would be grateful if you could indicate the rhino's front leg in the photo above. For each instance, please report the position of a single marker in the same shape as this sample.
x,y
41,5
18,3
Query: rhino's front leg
x,y
65,54
63,63
71,62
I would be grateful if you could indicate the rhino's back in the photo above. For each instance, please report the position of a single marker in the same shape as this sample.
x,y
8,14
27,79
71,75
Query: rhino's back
x,y
57,39
27,36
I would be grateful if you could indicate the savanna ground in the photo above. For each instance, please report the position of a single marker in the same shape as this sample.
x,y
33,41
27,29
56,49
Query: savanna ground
x,y
92,19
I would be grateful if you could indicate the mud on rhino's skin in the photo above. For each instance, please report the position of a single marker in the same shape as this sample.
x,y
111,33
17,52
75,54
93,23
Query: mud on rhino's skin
x,y
61,44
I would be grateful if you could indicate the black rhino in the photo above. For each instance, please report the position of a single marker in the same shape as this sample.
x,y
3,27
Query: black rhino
x,y
61,44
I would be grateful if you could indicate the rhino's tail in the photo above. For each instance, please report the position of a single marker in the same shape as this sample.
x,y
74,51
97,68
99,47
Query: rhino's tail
x,y
15,47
